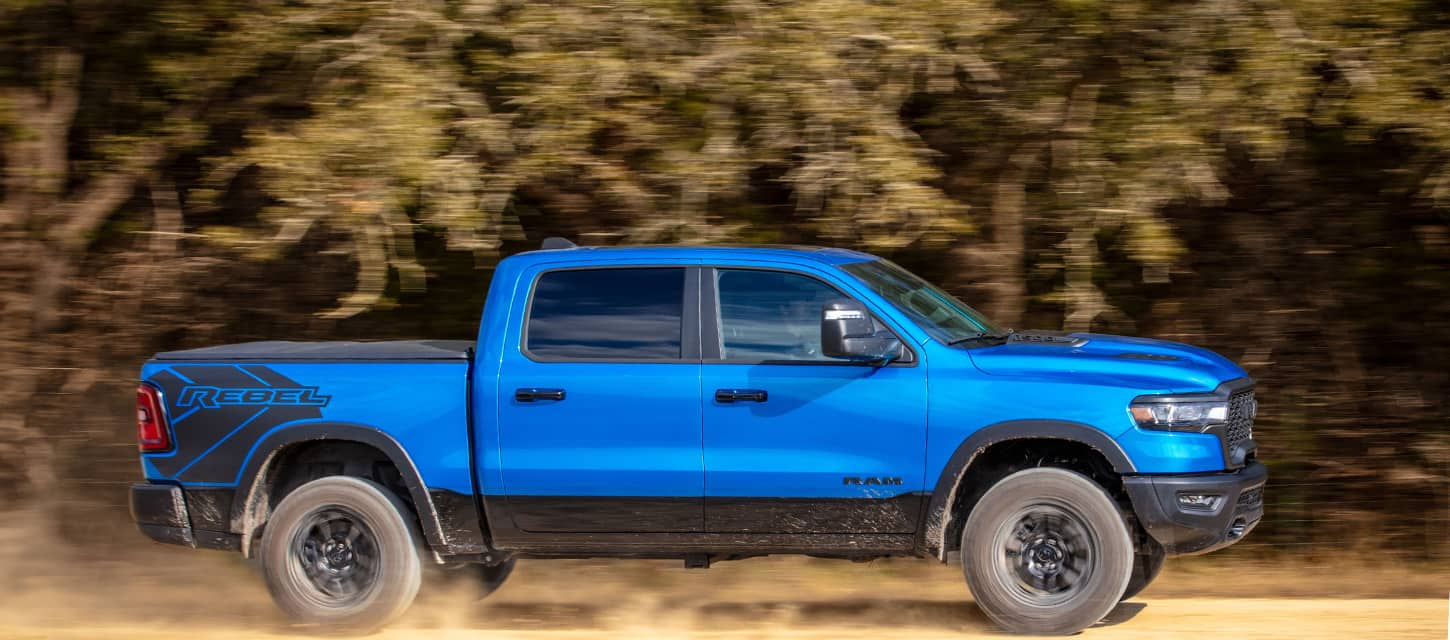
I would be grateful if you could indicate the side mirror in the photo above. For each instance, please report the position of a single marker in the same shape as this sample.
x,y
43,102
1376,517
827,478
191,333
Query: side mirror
x,y
848,332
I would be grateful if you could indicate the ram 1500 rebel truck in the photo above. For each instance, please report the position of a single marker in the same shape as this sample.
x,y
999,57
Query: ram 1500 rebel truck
x,y
704,404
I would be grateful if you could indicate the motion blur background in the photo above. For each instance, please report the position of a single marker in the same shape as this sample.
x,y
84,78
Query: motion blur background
x,y
1267,179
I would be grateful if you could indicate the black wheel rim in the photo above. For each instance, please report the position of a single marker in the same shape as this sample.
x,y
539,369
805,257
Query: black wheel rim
x,y
1047,554
336,553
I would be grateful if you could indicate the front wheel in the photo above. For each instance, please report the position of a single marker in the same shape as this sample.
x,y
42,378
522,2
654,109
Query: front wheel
x,y
342,552
1046,551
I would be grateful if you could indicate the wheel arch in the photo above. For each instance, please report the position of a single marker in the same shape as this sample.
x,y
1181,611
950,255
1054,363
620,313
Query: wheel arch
x,y
941,520
451,523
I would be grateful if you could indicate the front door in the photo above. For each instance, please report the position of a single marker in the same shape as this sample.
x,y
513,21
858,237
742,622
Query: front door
x,y
796,442
599,409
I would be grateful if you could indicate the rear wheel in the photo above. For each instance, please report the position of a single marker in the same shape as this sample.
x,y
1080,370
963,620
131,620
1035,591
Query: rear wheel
x,y
1046,551
342,552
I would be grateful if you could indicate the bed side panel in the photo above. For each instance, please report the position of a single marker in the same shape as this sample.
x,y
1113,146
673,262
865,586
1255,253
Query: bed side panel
x,y
219,412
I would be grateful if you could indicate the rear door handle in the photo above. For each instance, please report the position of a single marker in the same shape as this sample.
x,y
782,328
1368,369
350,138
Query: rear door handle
x,y
740,395
531,394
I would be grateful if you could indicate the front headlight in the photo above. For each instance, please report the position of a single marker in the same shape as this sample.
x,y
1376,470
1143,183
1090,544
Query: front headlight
x,y
1190,416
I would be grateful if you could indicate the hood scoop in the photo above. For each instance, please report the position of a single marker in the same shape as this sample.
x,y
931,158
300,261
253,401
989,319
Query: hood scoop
x,y
1058,338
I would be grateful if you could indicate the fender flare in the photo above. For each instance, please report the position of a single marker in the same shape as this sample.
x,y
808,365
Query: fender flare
x,y
937,519
451,522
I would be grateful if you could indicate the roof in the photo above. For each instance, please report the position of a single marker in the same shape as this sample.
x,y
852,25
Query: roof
x,y
785,253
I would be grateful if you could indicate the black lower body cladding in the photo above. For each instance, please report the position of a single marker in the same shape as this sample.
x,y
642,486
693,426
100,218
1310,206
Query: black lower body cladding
x,y
1191,529
716,514
162,513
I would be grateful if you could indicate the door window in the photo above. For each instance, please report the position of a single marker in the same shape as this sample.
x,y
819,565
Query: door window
x,y
771,315
606,314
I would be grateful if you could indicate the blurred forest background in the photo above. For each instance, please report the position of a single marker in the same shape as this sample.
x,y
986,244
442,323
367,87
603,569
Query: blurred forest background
x,y
1270,179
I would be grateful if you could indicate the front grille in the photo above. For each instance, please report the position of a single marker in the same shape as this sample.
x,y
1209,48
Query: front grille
x,y
1240,425
1251,498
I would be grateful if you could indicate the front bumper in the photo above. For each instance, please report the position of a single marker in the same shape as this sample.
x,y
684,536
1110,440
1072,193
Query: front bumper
x,y
160,512
1190,531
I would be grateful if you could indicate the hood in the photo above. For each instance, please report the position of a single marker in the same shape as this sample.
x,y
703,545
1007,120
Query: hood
x,y
1153,365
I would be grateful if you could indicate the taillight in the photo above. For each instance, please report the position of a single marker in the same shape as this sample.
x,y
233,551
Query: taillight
x,y
151,431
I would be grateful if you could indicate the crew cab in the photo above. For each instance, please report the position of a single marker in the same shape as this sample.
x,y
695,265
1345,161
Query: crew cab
x,y
703,404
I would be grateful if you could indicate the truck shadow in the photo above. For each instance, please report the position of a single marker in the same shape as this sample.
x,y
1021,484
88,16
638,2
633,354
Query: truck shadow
x,y
1124,612
863,613
950,615
855,612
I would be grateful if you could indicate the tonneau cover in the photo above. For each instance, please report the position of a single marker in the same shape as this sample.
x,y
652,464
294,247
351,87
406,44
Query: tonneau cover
x,y
283,350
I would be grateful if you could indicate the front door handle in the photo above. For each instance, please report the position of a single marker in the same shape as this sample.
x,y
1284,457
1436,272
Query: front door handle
x,y
740,395
531,394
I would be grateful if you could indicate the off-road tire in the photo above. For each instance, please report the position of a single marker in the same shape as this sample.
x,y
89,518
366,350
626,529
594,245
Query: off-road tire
x,y
1046,514
380,562
1147,563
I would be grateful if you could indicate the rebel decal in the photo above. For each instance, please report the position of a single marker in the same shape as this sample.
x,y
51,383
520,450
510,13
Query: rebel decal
x,y
213,397
218,411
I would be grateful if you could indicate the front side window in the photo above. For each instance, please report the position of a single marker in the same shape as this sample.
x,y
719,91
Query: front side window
x,y
942,315
607,314
771,315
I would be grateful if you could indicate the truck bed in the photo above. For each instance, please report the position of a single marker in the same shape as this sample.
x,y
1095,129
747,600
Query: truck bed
x,y
229,407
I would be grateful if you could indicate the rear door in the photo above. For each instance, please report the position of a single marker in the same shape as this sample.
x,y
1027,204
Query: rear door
x,y
796,442
599,407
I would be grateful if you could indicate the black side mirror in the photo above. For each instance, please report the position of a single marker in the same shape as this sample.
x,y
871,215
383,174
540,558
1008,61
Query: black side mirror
x,y
848,332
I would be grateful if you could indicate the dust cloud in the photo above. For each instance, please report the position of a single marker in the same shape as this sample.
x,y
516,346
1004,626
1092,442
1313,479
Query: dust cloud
x,y
155,592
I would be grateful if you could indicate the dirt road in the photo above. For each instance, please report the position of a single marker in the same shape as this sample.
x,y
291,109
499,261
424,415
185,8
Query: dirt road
x,y
190,595
1151,618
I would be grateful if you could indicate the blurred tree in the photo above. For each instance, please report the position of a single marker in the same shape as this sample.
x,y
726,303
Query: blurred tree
x,y
643,121
95,99
1269,178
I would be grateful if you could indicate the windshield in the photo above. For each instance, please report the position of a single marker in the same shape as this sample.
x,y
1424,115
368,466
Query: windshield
x,y
943,316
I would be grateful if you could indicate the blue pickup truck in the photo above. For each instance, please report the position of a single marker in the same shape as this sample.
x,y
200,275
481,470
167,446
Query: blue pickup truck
x,y
703,404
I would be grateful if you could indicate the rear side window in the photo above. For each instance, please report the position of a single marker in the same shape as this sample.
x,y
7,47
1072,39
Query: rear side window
x,y
607,314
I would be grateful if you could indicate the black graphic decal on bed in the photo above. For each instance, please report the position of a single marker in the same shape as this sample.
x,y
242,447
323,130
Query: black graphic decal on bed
x,y
217,413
